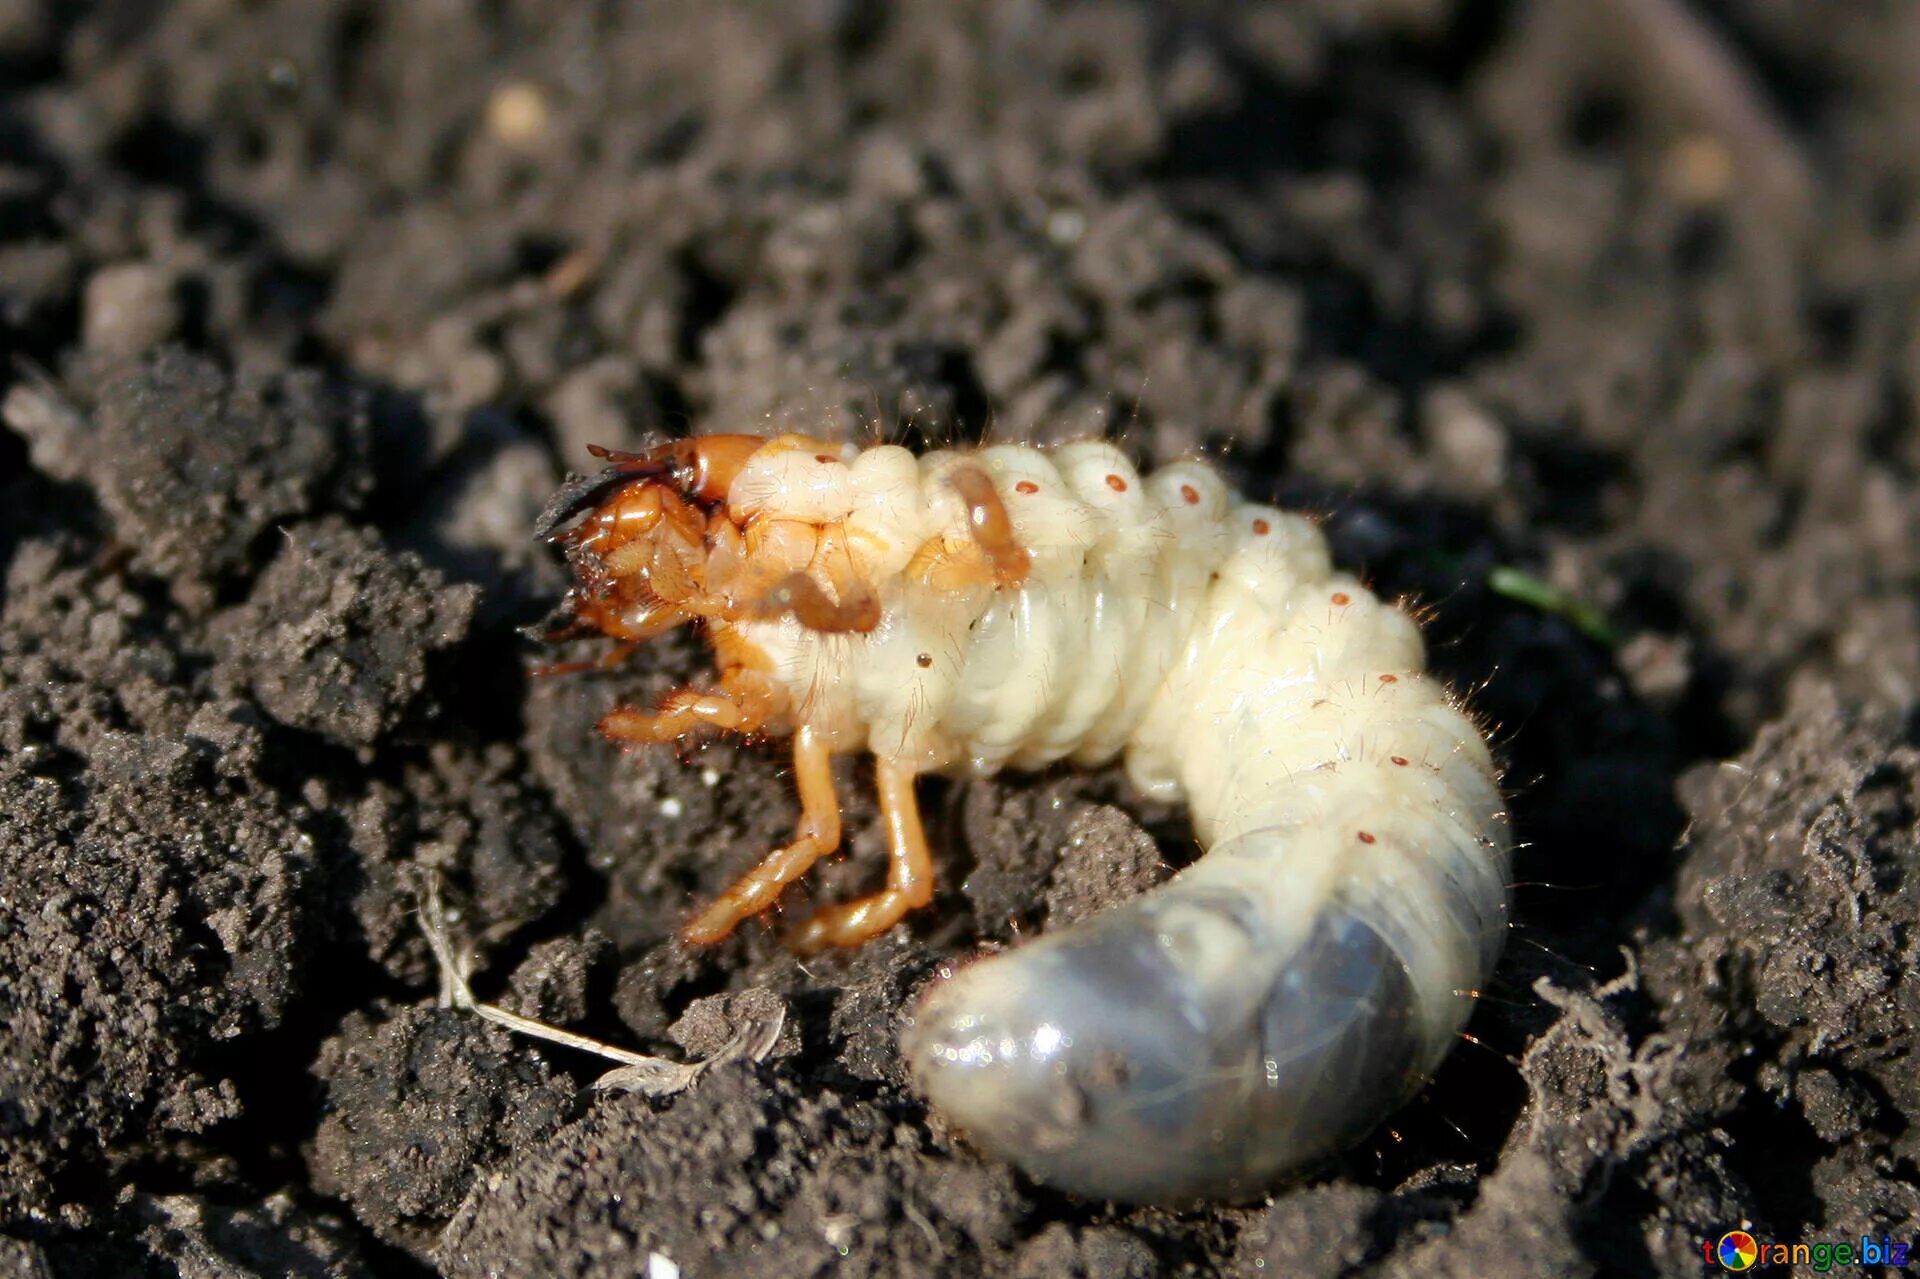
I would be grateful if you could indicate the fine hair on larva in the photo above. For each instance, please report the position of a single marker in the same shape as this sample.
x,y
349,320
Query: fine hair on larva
x,y
970,610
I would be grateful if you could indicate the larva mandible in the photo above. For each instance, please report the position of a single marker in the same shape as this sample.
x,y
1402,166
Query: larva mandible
x,y
967,611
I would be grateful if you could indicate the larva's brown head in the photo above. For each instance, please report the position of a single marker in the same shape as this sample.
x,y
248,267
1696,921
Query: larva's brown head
x,y
640,547
730,528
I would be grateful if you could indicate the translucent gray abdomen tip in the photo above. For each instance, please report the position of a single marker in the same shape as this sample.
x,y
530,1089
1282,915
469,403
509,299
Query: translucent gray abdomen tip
x,y
1144,1057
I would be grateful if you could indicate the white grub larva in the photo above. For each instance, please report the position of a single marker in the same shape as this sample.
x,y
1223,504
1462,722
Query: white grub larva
x,y
964,612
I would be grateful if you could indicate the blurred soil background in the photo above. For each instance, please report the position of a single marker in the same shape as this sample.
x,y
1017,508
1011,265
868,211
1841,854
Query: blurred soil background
x,y
306,306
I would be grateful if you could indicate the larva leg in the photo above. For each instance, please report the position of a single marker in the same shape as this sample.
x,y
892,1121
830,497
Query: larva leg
x,y
992,528
909,873
817,835
743,703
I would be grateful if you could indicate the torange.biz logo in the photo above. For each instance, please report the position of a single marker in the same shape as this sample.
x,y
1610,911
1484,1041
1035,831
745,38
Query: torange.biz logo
x,y
1738,1250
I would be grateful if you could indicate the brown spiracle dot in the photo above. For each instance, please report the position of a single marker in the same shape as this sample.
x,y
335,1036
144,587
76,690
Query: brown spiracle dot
x,y
1117,484
1026,486
1261,528
1342,598
1366,837
925,659
1190,495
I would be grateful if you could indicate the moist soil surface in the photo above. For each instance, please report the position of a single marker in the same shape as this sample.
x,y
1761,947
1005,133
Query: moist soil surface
x,y
1593,328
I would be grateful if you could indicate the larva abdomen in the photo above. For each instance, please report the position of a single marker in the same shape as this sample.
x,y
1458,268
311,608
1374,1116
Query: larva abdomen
x,y
1277,999
968,612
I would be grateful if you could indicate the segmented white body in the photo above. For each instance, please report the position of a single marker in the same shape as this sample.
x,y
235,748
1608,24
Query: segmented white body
x,y
1276,999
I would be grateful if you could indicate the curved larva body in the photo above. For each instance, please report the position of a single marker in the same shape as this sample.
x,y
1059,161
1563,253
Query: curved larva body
x,y
1276,999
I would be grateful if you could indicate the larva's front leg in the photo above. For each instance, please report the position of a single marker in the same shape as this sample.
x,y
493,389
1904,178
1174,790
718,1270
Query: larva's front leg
x,y
743,703
817,835
909,873
909,865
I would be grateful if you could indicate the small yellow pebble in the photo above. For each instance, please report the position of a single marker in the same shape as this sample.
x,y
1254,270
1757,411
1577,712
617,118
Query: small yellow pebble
x,y
517,112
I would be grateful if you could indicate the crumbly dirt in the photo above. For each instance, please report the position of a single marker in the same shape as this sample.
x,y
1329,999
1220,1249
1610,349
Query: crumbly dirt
x,y
306,306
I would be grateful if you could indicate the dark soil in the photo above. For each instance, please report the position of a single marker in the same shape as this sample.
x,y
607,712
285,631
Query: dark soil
x,y
307,306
